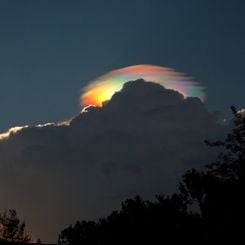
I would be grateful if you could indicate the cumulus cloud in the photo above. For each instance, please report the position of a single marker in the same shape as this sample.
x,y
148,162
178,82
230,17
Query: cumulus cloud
x,y
242,112
139,142
11,131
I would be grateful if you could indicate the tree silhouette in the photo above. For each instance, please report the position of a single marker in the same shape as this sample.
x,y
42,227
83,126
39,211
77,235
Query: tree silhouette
x,y
138,222
11,229
218,190
230,166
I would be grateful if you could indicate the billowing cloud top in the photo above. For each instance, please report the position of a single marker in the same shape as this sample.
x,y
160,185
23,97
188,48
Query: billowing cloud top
x,y
139,142
242,112
104,87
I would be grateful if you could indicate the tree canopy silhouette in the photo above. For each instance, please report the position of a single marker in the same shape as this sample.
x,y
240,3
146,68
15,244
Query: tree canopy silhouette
x,y
12,229
218,190
207,208
138,222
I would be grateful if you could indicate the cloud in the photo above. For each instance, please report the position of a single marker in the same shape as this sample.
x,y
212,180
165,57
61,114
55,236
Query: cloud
x,y
11,131
106,85
139,142
242,112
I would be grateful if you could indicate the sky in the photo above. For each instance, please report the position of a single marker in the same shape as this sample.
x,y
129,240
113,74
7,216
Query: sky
x,y
145,137
49,50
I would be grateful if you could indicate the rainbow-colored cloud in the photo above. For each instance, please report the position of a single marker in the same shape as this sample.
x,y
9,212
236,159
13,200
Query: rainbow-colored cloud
x,y
102,89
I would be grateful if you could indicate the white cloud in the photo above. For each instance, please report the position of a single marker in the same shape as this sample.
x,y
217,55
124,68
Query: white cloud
x,y
11,131
242,112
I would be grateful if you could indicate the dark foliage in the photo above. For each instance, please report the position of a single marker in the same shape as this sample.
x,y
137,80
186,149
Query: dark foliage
x,y
218,190
138,222
11,229
207,209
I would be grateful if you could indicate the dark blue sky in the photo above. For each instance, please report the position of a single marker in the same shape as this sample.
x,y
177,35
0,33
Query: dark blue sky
x,y
49,49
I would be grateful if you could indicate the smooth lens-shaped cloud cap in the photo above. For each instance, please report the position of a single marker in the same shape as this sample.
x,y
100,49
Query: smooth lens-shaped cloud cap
x,y
102,88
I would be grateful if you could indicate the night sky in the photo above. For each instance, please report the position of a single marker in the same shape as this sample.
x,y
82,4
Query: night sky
x,y
50,49
139,142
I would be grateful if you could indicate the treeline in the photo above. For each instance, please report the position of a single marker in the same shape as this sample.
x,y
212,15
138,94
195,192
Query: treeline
x,y
207,208
12,230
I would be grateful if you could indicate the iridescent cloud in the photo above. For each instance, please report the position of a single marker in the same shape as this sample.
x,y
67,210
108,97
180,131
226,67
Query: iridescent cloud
x,y
102,88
